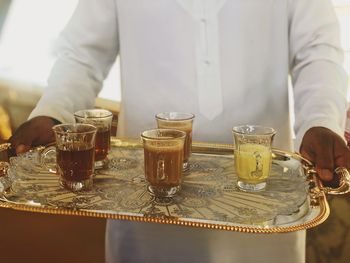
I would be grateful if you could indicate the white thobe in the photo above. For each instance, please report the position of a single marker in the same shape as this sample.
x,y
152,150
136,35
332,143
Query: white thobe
x,y
226,61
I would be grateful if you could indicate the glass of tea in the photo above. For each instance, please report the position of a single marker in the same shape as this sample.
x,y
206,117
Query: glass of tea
x,y
75,155
179,121
102,120
163,157
252,156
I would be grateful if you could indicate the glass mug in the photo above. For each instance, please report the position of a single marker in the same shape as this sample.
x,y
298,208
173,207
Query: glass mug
x,y
74,155
163,159
252,156
102,120
179,121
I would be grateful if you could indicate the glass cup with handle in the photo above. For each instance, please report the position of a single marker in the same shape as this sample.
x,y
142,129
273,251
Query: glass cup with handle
x,y
252,155
74,155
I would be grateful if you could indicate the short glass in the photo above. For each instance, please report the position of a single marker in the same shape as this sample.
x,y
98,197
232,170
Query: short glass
x,y
102,120
75,155
163,157
252,156
179,121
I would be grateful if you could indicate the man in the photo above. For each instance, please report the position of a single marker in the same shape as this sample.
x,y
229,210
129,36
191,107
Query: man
x,y
228,63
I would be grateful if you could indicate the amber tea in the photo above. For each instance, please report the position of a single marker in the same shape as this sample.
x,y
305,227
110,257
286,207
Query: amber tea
x,y
163,158
102,120
182,122
75,155
102,145
163,166
75,165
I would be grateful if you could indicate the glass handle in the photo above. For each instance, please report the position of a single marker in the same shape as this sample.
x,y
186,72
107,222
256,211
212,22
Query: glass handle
x,y
48,159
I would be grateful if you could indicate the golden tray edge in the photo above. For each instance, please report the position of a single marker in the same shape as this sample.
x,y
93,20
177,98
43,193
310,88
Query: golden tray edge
x,y
318,198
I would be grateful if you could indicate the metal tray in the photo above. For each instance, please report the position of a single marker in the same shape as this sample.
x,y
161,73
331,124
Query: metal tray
x,y
293,200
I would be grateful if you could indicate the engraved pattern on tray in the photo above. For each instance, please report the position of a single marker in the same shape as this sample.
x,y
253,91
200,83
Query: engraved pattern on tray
x,y
209,193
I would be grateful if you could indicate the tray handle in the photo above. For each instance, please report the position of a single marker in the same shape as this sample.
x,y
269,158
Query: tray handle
x,y
344,183
5,146
4,166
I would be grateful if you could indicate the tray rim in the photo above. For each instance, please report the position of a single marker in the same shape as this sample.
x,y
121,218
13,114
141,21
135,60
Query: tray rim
x,y
319,198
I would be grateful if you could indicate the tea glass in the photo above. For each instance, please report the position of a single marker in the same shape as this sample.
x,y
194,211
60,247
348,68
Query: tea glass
x,y
179,121
75,155
163,158
252,156
102,120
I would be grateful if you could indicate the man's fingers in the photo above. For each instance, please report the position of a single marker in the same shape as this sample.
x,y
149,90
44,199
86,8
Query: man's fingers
x,y
325,174
323,161
21,143
21,148
342,155
307,156
325,165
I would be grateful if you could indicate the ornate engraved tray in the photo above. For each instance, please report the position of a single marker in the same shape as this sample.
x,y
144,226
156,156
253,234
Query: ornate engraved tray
x,y
293,200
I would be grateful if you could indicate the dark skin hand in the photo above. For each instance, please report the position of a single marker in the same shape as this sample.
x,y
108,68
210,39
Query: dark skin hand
x,y
327,151
35,132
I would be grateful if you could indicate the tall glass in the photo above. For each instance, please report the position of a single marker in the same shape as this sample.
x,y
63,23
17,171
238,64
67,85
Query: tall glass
x,y
179,121
163,157
252,156
102,120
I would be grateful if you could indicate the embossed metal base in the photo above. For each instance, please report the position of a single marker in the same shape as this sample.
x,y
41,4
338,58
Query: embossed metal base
x,y
77,185
163,192
246,187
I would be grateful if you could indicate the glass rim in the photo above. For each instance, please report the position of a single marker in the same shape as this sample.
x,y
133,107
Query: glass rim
x,y
80,114
188,116
182,134
93,129
265,130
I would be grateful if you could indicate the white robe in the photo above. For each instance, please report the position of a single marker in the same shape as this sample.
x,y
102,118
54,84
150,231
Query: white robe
x,y
226,61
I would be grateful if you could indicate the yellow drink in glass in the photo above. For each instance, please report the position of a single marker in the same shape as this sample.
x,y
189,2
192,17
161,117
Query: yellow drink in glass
x,y
252,163
252,156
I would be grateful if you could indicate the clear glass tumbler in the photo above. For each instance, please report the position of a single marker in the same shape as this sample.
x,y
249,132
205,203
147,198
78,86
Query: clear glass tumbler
x,y
163,157
252,155
179,121
102,120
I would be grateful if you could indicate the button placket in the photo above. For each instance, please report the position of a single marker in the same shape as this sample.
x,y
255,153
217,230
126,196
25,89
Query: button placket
x,y
205,14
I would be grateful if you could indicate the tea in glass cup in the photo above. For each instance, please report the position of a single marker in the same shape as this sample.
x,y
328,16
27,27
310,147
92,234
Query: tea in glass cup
x,y
102,120
75,155
179,121
163,158
252,156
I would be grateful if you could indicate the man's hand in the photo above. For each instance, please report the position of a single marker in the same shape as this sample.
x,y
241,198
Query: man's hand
x,y
326,150
35,132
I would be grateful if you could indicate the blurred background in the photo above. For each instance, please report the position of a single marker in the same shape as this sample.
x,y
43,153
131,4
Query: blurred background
x,y
28,31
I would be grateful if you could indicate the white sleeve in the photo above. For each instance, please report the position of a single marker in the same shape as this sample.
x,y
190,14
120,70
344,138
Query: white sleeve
x,y
87,48
319,81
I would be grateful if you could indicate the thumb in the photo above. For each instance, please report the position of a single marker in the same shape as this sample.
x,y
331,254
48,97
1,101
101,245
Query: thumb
x,y
22,148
